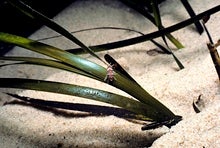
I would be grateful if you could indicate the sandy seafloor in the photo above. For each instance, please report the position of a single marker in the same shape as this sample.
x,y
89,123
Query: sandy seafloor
x,y
26,126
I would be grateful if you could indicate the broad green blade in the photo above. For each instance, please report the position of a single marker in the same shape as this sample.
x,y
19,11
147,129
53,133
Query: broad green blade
x,y
144,111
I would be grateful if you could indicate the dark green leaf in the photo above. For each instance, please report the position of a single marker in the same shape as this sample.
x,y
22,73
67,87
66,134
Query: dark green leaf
x,y
147,112
192,14
152,35
51,24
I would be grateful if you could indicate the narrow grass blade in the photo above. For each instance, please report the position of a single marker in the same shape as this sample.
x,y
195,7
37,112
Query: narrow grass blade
x,y
45,62
51,24
192,14
141,9
136,40
79,63
157,18
125,29
178,61
165,50
204,20
158,22
156,13
156,43
160,26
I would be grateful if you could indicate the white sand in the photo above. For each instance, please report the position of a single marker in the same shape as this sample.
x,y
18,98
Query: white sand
x,y
26,126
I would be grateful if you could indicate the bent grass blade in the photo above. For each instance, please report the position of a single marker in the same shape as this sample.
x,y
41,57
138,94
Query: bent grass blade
x,y
34,14
146,37
93,69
